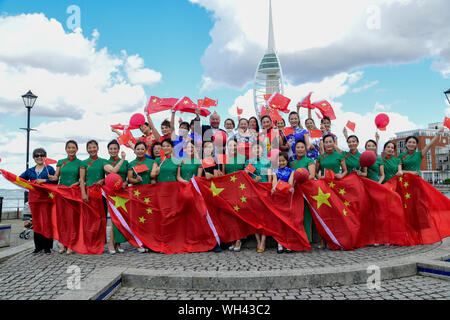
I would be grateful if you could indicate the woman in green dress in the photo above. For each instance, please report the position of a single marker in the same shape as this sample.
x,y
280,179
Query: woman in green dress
x,y
331,160
235,163
68,173
352,156
411,159
141,178
302,161
376,171
262,173
191,165
392,164
167,170
156,152
116,237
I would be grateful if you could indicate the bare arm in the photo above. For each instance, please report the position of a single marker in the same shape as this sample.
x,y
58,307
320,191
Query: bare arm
x,y
154,130
344,170
381,174
83,184
432,142
133,180
312,171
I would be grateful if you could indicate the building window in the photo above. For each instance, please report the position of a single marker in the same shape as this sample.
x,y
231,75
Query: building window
x,y
429,164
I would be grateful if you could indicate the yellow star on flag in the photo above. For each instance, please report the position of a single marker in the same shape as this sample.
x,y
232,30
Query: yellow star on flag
x,y
242,186
149,211
406,185
23,184
147,200
233,179
186,102
142,220
120,202
347,203
244,199
344,212
405,206
324,104
400,179
236,208
322,198
342,191
154,100
50,195
137,193
407,196
215,191
332,185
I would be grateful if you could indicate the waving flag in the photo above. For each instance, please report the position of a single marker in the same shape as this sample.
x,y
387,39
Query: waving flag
x,y
279,102
186,105
207,102
326,109
156,104
306,103
351,125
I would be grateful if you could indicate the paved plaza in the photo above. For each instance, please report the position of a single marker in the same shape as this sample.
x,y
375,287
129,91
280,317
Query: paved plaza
x,y
28,276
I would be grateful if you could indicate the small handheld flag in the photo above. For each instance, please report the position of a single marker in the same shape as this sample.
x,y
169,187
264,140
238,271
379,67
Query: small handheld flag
x,y
447,122
315,134
250,168
351,125
208,162
283,186
141,168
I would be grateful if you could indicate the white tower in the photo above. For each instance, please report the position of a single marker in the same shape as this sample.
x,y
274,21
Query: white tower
x,y
269,76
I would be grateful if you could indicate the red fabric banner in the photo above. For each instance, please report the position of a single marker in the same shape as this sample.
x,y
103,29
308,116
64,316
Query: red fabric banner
x,y
426,210
239,206
165,217
59,213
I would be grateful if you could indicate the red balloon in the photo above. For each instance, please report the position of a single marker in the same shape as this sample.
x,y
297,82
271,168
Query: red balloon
x,y
301,175
113,181
382,120
137,120
367,159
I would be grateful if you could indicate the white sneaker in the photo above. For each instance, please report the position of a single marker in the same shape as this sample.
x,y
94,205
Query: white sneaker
x,y
142,250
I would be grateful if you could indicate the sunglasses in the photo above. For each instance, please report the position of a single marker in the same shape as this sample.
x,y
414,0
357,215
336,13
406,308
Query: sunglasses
x,y
38,156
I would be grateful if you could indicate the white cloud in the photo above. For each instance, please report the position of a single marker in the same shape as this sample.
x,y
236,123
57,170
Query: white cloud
x,y
365,87
316,39
81,87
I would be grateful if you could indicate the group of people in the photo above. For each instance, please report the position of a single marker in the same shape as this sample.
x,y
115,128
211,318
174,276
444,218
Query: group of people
x,y
209,151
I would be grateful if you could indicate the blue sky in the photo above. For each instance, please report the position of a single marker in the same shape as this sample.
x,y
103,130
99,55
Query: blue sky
x,y
187,42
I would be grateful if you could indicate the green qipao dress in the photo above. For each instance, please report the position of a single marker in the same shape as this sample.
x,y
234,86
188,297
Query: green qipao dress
x,y
390,167
145,175
331,161
411,161
189,168
118,236
70,171
352,161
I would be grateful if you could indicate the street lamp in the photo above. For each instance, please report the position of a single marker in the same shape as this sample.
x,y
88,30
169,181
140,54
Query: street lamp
x,y
447,94
29,100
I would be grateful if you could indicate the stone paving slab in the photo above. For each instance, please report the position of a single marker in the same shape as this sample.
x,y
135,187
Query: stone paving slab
x,y
410,288
40,276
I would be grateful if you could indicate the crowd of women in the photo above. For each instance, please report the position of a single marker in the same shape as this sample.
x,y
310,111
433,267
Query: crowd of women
x,y
197,151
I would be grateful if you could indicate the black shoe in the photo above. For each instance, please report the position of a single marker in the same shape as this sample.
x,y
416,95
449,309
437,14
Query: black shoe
x,y
217,249
288,250
47,251
37,250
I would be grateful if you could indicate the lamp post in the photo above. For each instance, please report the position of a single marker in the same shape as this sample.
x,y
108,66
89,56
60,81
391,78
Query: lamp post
x,y
447,94
29,100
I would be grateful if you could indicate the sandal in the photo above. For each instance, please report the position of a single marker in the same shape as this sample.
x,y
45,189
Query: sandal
x,y
236,247
62,250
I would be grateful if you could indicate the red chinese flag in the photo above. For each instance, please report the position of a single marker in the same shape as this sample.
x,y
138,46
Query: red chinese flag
x,y
267,96
306,103
200,102
208,162
123,127
49,161
125,138
207,102
447,122
239,206
326,109
156,104
162,154
283,186
288,131
279,102
354,212
329,174
174,221
186,105
351,125
141,168
59,213
426,210
239,111
315,134
273,114
250,168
